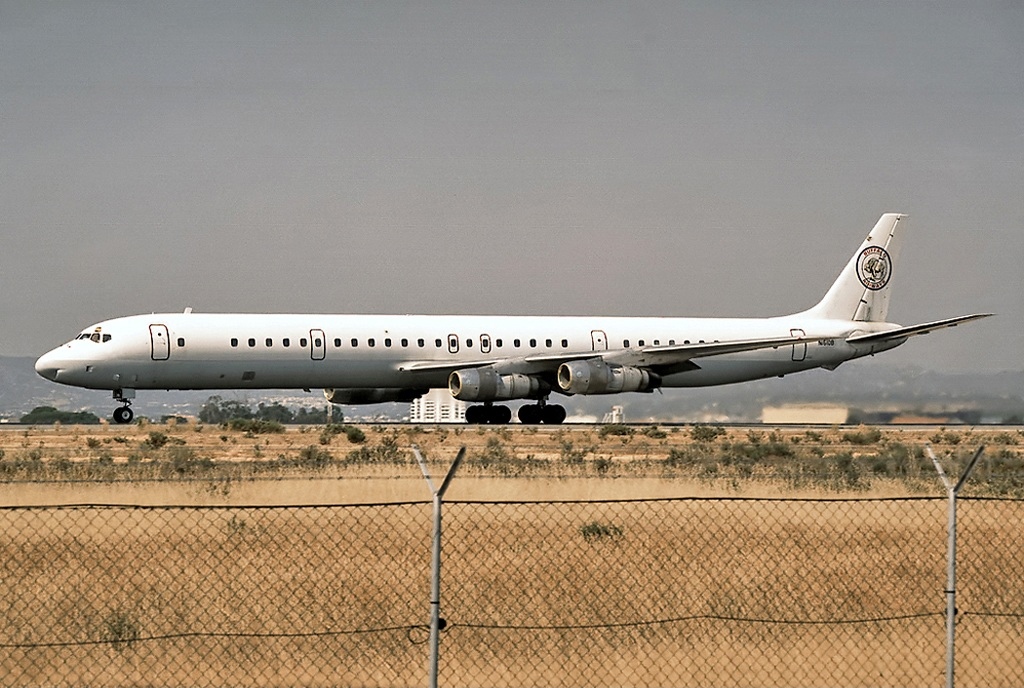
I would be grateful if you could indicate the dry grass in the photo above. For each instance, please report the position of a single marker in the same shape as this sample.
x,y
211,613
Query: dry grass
x,y
689,591
698,591
192,463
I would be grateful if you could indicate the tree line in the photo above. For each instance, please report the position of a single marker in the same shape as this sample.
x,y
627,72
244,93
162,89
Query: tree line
x,y
215,411
218,410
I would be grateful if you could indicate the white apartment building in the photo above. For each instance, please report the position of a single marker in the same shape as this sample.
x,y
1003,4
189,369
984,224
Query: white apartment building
x,y
437,406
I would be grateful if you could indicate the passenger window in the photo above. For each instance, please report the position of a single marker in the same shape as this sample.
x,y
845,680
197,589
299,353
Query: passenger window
x,y
303,342
286,342
270,342
355,342
533,343
234,341
547,343
497,343
516,343
181,341
252,341
421,343
640,343
337,342
387,342
625,343
657,342
671,342
565,343
437,343
469,343
371,342
405,342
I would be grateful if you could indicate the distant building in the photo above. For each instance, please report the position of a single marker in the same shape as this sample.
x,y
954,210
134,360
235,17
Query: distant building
x,y
437,406
817,414
616,415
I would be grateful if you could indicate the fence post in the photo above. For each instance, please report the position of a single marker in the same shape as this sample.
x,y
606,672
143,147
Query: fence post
x,y
435,563
951,492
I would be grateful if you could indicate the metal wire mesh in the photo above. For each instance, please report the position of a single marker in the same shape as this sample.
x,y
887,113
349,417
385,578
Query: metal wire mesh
x,y
736,592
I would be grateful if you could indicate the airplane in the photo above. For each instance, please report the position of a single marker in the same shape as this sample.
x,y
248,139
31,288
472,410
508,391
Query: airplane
x,y
366,359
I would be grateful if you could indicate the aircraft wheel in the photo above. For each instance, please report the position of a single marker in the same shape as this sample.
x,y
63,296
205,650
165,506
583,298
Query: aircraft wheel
x,y
123,415
500,415
529,414
488,415
553,414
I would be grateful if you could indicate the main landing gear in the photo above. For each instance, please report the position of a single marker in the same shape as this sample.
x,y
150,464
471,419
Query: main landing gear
x,y
530,414
549,414
124,414
488,414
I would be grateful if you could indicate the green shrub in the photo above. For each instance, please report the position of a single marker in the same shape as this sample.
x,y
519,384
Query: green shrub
x,y
681,458
314,457
596,531
354,434
616,429
863,436
121,630
706,433
255,425
155,440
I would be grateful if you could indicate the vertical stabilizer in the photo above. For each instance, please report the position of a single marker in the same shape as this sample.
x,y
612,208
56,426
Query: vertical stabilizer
x,y
861,292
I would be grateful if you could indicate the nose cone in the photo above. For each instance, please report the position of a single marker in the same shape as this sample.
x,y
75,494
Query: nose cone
x,y
47,366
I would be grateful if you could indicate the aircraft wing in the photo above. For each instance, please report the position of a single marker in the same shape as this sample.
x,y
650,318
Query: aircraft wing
x,y
910,331
678,356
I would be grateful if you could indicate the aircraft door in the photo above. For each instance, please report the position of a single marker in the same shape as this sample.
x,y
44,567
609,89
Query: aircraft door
x,y
485,343
160,342
599,339
317,345
799,350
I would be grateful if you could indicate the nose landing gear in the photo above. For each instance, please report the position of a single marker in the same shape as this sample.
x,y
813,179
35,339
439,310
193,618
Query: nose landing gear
x,y
124,414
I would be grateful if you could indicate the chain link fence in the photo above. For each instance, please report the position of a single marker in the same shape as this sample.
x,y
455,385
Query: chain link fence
x,y
673,592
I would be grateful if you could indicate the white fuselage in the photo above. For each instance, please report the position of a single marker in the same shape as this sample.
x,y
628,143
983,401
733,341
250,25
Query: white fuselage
x,y
305,351
377,358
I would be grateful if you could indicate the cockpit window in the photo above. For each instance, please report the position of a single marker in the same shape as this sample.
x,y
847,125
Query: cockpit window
x,y
94,337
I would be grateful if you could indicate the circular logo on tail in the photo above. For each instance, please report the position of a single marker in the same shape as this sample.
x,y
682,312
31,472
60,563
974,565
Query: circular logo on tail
x,y
874,266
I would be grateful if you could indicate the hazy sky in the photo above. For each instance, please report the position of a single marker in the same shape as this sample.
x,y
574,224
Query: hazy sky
x,y
607,158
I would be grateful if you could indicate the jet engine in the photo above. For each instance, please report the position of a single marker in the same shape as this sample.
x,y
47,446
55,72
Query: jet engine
x,y
486,384
594,376
371,395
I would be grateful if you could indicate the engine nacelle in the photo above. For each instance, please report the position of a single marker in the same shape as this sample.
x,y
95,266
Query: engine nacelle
x,y
486,384
597,377
371,395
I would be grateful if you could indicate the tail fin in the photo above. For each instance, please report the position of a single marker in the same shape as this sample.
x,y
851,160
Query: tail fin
x,y
861,292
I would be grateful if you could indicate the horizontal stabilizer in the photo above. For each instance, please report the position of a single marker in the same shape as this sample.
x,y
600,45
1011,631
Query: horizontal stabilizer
x,y
924,328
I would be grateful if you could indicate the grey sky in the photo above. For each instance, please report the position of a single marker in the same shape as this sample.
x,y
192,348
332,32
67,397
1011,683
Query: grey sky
x,y
608,158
